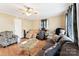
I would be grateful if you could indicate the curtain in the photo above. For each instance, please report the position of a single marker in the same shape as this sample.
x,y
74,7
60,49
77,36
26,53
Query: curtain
x,y
71,23
75,23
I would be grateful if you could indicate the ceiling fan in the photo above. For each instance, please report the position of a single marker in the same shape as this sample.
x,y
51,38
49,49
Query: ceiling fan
x,y
27,10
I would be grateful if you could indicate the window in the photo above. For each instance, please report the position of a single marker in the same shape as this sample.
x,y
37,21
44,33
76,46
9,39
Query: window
x,y
44,23
71,23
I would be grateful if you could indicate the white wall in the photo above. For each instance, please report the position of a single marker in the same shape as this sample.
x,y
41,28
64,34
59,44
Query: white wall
x,y
6,22
26,24
55,22
11,23
18,27
36,24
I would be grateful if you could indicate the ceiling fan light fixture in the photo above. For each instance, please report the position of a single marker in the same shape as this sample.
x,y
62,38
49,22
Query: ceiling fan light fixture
x,y
28,11
28,14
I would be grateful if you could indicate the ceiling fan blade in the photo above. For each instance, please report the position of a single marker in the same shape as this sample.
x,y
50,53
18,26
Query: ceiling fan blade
x,y
21,9
26,7
27,10
35,12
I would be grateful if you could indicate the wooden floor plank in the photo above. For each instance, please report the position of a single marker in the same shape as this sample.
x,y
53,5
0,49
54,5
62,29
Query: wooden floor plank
x,y
15,50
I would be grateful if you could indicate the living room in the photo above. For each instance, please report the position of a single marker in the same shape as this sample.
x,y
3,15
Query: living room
x,y
20,23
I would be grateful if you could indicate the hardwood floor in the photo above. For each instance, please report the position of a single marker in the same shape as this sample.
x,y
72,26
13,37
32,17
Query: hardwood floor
x,y
10,50
15,50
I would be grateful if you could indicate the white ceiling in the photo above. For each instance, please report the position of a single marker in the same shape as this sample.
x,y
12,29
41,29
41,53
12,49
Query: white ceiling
x,y
45,10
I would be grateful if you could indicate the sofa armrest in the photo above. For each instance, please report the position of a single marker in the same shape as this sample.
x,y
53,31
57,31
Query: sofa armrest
x,y
14,36
1,37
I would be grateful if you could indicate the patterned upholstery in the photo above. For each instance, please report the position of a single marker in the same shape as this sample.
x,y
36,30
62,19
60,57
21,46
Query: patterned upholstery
x,y
69,49
7,38
29,44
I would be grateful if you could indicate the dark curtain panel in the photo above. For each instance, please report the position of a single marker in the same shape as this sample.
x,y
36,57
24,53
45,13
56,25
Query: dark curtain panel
x,y
75,23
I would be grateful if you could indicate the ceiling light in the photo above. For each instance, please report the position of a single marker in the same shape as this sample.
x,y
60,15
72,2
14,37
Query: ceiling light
x,y
28,11
28,14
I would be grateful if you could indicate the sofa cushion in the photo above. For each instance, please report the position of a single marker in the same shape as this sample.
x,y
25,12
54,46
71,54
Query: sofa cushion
x,y
9,34
7,38
3,34
69,49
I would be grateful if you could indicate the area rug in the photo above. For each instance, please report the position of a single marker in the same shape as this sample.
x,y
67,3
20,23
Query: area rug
x,y
29,44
